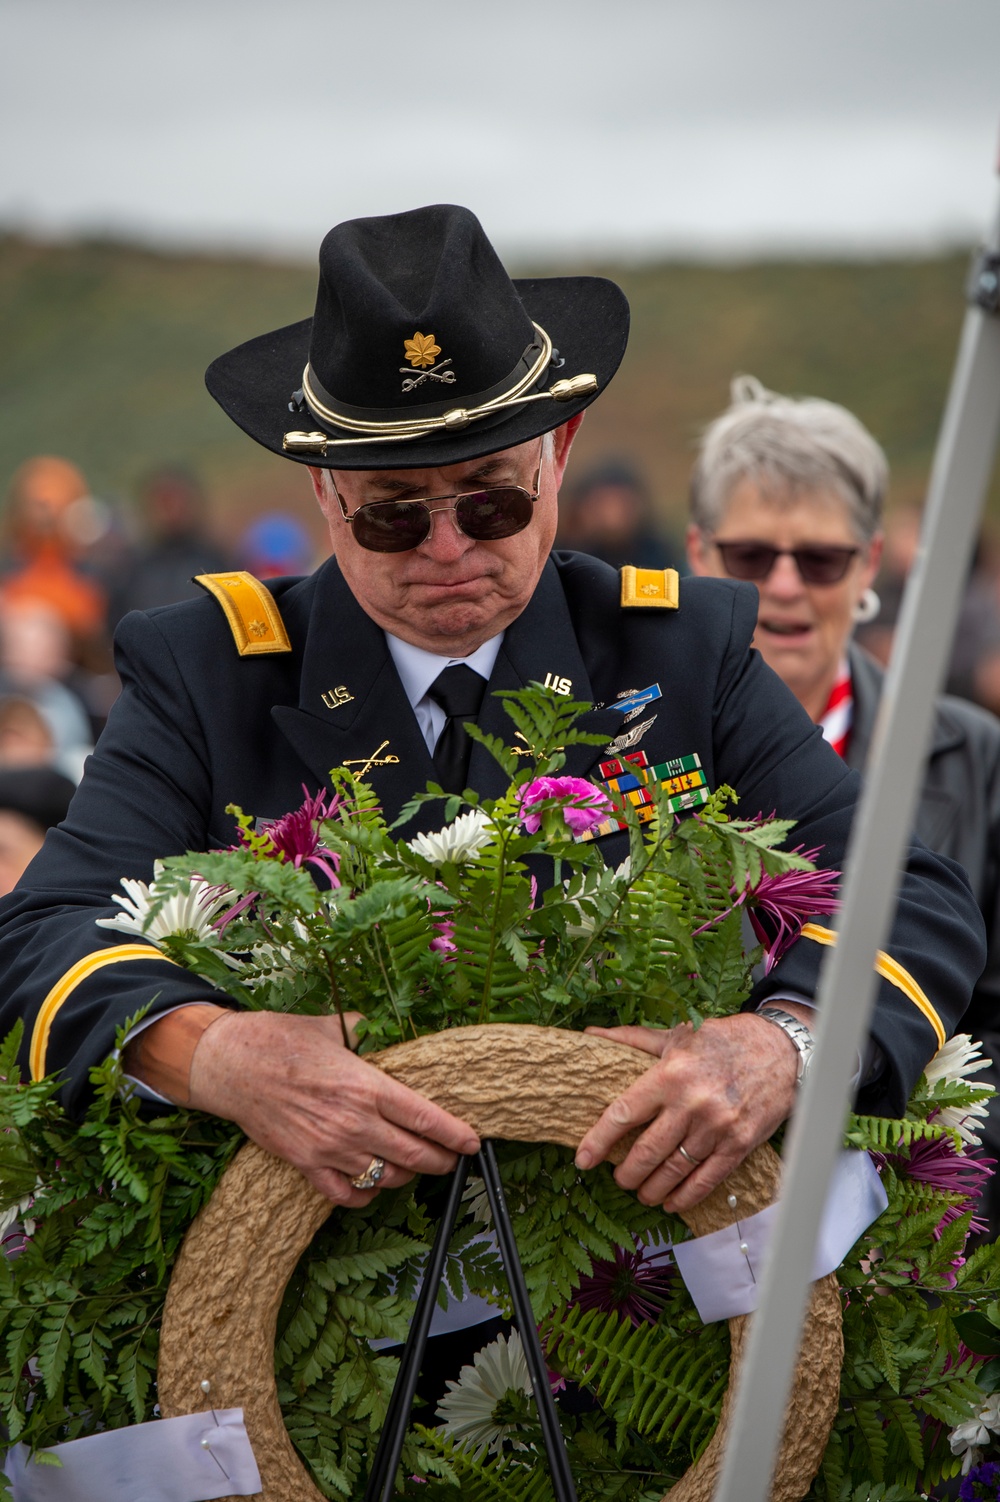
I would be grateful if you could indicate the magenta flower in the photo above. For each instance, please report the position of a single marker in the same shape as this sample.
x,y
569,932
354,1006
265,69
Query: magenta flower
x,y
635,1284
295,837
779,906
585,805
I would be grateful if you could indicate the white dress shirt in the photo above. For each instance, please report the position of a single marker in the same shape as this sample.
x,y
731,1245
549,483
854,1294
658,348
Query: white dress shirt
x,y
418,669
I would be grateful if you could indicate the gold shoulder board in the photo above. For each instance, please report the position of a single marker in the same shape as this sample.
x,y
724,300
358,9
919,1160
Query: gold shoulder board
x,y
254,618
658,588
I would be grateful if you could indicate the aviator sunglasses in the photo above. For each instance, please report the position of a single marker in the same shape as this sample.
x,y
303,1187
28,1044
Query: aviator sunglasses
x,y
486,515
820,564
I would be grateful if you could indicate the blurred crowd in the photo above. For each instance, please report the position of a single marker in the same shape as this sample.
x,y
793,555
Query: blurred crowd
x,y
974,668
71,565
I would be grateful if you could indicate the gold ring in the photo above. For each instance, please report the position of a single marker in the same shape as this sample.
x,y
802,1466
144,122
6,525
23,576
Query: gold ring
x,y
371,1175
694,1162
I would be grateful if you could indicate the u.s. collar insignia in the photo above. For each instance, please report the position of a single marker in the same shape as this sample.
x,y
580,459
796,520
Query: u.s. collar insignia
x,y
629,738
421,351
335,698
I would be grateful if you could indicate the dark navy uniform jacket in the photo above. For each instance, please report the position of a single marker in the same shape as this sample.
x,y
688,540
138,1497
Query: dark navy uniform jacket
x,y
197,727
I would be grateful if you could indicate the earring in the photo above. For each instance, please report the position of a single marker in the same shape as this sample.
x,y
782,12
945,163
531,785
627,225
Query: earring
x,y
867,608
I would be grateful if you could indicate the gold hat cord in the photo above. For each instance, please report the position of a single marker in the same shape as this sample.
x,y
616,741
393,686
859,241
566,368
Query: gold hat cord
x,y
452,421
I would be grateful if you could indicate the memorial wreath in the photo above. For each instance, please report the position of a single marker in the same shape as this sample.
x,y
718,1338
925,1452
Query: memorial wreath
x,y
324,911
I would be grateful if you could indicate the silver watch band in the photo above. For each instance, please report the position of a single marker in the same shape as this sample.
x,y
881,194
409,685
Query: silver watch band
x,y
797,1031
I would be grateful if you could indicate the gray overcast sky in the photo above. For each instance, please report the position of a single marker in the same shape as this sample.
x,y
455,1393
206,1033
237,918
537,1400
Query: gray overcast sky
x,y
632,126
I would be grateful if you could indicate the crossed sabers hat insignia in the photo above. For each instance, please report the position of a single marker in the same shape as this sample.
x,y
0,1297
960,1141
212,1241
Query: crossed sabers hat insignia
x,y
436,373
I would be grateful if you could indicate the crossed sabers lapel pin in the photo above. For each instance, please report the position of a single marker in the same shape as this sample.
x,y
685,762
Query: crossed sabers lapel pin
x,y
375,760
526,750
437,372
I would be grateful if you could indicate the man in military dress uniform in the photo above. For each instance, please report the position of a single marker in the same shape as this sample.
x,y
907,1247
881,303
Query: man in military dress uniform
x,y
434,402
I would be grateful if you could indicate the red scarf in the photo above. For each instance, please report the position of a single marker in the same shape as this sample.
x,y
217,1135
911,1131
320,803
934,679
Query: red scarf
x,y
835,721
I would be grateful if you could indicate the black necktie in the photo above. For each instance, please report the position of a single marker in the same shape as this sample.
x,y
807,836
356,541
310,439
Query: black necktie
x,y
459,691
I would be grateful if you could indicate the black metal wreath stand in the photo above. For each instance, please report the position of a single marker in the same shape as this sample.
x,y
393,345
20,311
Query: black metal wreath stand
x,y
390,1446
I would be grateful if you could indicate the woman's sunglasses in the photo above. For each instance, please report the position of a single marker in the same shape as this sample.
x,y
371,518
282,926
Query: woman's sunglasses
x,y
821,564
485,515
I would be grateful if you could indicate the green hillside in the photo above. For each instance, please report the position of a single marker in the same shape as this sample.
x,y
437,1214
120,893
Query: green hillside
x,y
103,346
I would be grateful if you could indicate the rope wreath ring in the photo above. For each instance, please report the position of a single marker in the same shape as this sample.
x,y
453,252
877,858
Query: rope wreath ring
x,y
519,1083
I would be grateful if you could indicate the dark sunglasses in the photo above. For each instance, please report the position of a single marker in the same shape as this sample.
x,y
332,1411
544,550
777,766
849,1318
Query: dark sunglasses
x,y
821,564
485,515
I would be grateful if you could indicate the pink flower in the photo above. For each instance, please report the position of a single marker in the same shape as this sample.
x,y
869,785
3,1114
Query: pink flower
x,y
295,837
445,941
585,805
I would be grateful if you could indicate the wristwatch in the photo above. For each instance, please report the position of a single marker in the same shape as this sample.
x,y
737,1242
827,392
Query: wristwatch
x,y
799,1034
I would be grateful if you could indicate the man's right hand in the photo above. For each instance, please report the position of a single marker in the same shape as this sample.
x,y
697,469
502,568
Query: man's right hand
x,y
299,1092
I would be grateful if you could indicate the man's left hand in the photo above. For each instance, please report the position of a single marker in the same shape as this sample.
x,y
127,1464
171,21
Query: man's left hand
x,y
716,1091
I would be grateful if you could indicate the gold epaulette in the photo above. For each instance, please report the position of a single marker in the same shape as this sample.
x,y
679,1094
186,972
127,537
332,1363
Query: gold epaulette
x,y
658,588
254,618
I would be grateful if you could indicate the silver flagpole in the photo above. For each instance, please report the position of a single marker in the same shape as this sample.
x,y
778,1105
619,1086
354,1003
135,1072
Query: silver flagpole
x,y
958,483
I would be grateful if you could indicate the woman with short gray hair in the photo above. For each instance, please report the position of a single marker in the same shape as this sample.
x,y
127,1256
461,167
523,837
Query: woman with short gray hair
x,y
790,444
788,492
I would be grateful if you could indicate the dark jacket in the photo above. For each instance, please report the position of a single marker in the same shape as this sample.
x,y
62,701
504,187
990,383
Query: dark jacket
x,y
197,727
959,810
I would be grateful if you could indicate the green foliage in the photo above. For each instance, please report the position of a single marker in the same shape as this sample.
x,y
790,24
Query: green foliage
x,y
664,1383
563,1220
909,1300
420,936
110,1200
418,940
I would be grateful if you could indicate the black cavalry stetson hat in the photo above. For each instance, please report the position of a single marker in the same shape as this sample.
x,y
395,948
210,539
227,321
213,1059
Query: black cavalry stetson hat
x,y
422,351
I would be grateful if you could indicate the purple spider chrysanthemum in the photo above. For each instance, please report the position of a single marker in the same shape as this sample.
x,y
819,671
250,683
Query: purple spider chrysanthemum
x,y
296,836
295,839
634,1284
937,1162
780,905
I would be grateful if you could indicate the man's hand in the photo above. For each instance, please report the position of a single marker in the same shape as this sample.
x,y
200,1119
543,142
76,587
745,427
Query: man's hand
x,y
717,1092
299,1092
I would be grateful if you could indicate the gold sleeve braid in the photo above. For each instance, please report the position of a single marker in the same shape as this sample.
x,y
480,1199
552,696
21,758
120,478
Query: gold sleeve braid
x,y
67,984
892,971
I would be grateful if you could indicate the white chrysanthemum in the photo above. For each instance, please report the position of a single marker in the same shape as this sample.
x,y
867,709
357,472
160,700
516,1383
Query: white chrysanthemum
x,y
189,913
969,1439
584,925
960,1057
457,842
19,1212
269,962
965,1120
468,1407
